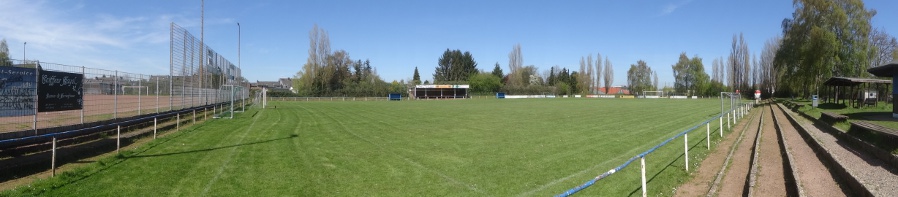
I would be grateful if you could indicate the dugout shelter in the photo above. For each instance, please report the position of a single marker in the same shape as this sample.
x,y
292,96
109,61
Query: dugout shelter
x,y
440,91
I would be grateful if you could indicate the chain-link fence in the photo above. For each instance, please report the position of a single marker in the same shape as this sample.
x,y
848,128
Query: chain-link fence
x,y
110,94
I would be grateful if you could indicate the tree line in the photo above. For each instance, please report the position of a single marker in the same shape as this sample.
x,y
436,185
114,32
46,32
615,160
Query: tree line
x,y
822,39
328,73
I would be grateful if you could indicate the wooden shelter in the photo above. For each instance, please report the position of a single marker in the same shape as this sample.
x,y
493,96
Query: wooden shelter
x,y
856,91
888,70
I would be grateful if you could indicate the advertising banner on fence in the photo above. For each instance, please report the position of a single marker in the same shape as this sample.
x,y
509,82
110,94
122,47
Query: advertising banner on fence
x,y
59,91
17,91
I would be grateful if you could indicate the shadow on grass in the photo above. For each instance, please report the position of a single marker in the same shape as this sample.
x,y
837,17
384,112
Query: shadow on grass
x,y
215,148
878,116
831,106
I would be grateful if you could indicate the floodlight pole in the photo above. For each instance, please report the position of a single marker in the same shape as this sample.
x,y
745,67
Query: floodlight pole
x,y
23,51
239,68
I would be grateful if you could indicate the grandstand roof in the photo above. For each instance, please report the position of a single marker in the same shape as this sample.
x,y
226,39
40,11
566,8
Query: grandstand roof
x,y
848,81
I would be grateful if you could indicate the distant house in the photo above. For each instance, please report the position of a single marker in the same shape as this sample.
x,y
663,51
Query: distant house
x,y
613,90
280,84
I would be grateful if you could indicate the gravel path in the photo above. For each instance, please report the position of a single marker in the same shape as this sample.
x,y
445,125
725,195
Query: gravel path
x,y
873,174
703,177
734,180
771,177
815,178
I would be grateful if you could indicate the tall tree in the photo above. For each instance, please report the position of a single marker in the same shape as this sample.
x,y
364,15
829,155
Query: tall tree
x,y
598,73
639,77
454,66
515,63
590,71
689,74
882,46
609,74
823,38
769,74
739,63
416,78
583,80
497,71
319,50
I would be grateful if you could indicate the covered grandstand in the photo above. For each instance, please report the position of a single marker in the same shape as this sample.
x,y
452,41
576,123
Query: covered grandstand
x,y
439,91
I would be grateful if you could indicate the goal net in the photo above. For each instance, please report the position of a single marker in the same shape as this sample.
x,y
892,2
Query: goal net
x,y
652,94
231,101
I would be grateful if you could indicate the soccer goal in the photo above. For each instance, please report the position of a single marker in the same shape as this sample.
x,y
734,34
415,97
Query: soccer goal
x,y
230,94
652,94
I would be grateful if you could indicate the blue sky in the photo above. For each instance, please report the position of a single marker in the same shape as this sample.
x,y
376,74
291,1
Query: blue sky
x,y
397,36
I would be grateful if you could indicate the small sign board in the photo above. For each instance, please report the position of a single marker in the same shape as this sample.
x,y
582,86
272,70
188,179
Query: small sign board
x,y
59,91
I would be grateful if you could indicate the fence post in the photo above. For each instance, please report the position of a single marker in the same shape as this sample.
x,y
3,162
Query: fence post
x,y
157,95
154,127
115,96
728,120
118,138
82,107
720,120
139,101
642,163
37,75
53,158
178,122
193,118
686,148
708,134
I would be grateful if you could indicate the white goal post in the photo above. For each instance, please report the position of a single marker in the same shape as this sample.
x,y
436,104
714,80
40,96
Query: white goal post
x,y
652,94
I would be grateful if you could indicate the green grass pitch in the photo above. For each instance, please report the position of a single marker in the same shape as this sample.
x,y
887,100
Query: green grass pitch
x,y
481,147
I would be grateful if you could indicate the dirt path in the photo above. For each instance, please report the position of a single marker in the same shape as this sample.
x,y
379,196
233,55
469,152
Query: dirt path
x,y
707,173
771,178
736,174
815,178
771,159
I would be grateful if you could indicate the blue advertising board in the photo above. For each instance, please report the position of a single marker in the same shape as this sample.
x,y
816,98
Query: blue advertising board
x,y
17,91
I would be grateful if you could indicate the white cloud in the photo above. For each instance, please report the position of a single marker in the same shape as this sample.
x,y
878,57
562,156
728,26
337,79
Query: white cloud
x,y
671,7
70,35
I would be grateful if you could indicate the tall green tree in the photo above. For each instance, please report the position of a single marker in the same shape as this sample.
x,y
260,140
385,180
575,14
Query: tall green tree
x,y
454,66
416,78
639,77
497,71
824,38
327,73
689,75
